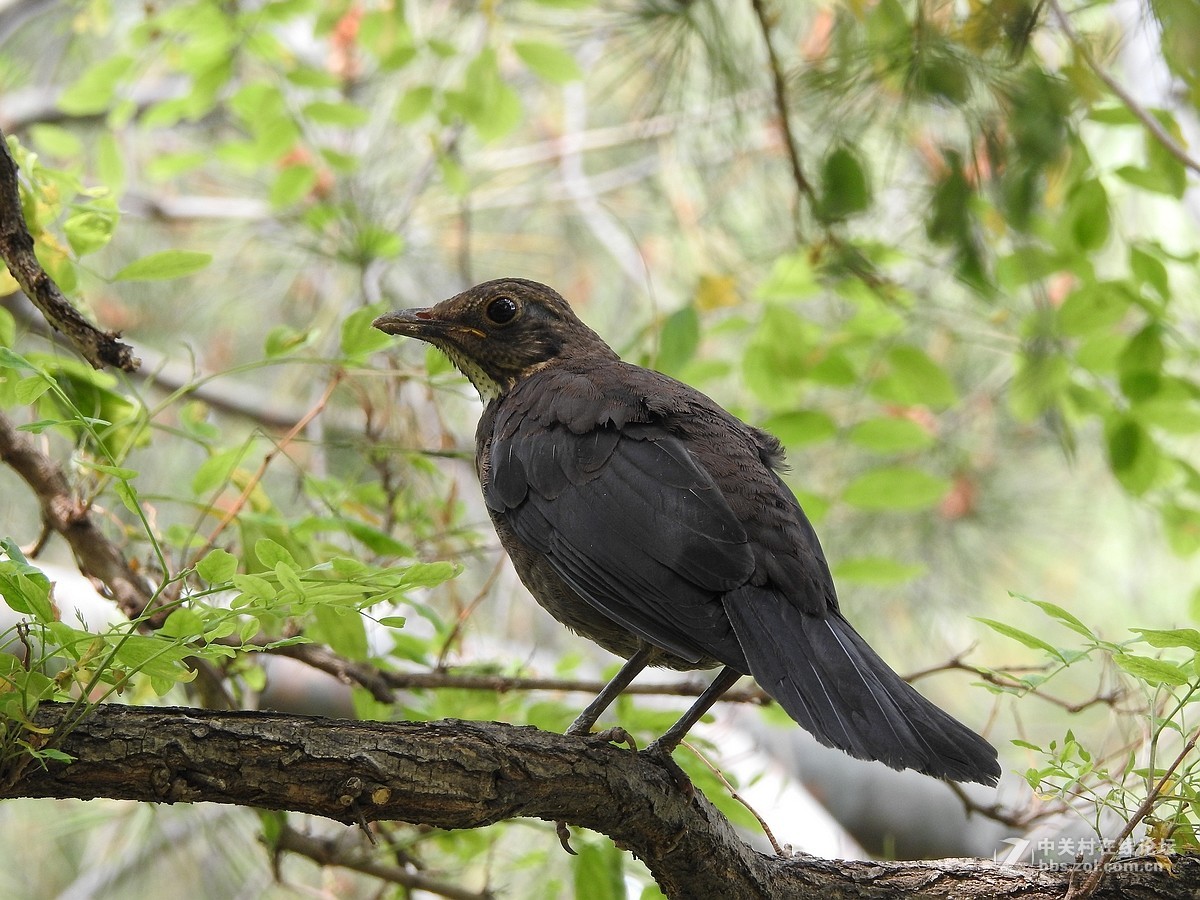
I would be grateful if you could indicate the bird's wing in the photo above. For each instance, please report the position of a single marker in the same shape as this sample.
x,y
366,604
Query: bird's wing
x,y
629,520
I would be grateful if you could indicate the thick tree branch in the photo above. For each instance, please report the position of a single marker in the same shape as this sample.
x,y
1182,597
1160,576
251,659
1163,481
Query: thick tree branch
x,y
62,512
100,348
452,774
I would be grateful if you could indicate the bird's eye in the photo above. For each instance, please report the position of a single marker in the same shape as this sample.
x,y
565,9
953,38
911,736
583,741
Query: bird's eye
x,y
502,310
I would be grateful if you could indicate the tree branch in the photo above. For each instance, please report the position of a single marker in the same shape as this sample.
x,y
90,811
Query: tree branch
x,y
1143,115
453,774
100,348
332,852
804,187
62,512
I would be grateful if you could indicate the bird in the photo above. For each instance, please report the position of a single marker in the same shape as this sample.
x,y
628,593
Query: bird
x,y
642,515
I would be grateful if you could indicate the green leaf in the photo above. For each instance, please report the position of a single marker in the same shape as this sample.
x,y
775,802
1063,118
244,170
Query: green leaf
x,y
342,629
1094,307
88,230
1022,637
1152,671
56,140
913,378
1059,613
548,61
415,103
375,540
791,278
486,101
1149,270
26,590
393,621
29,389
345,115
1132,454
598,871
152,655
94,91
8,325
896,488
217,469
284,339
166,166
292,184
1141,363
217,566
271,553
891,434
164,265
1176,637
678,340
1182,524
182,624
118,472
359,339
1088,213
877,570
11,360
429,574
800,427
289,578
844,189
254,586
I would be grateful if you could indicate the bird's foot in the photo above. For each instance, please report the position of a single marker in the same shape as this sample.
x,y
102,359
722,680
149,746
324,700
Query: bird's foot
x,y
662,755
616,735
564,836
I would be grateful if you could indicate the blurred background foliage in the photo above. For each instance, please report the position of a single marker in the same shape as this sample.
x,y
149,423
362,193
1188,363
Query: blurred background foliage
x,y
946,252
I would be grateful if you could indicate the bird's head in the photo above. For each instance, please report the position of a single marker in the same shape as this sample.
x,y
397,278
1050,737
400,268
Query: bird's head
x,y
499,332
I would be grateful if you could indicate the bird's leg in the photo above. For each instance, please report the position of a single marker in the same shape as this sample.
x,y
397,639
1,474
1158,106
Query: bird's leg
x,y
670,740
611,691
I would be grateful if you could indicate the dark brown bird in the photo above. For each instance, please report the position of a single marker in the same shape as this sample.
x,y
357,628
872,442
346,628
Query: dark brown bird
x,y
644,516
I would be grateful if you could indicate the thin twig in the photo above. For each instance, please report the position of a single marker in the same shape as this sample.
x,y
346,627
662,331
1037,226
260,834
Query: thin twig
x,y
1143,115
468,611
779,851
334,852
803,187
1011,684
381,683
268,458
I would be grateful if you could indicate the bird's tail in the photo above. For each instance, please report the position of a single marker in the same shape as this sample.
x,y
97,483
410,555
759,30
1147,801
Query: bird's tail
x,y
833,684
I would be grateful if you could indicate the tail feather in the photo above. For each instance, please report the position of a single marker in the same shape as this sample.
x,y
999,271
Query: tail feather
x,y
833,684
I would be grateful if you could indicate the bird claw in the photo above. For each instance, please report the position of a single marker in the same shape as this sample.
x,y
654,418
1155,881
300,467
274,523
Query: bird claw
x,y
564,836
664,758
615,735
609,736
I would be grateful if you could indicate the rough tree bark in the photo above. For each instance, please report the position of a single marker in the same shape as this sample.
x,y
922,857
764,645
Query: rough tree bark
x,y
453,774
